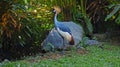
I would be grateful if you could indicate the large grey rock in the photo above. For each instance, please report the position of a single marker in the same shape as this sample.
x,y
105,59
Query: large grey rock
x,y
54,40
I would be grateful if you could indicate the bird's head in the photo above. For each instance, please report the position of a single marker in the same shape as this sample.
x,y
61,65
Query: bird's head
x,y
56,9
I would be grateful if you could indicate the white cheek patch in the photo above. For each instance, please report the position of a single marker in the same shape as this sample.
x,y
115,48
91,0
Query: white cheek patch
x,y
66,35
54,10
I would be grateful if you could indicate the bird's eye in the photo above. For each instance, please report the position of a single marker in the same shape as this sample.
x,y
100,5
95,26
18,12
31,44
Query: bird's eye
x,y
54,10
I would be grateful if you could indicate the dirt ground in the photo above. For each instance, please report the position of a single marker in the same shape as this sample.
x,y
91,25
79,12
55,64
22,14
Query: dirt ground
x,y
56,55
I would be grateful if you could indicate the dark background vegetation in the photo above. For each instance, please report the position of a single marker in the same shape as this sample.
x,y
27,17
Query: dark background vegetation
x,y
25,24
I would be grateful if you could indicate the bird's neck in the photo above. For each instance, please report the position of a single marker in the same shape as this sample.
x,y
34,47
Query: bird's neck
x,y
55,18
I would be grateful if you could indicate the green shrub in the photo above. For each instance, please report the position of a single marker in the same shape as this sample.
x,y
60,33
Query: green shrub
x,y
24,26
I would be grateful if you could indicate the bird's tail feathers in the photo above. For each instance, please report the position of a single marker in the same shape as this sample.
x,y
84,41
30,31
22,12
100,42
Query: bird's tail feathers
x,y
71,41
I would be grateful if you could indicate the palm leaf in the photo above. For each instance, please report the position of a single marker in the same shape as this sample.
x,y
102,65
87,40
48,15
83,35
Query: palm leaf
x,y
115,10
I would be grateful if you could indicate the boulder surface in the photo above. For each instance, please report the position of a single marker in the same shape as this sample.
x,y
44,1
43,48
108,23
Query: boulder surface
x,y
54,40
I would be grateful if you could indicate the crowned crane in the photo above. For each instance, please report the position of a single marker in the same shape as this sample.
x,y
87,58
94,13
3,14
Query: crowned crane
x,y
61,28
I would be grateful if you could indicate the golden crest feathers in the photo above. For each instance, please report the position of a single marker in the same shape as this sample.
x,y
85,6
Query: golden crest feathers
x,y
58,10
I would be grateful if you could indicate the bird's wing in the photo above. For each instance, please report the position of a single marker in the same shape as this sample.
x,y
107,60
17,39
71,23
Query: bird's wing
x,y
63,27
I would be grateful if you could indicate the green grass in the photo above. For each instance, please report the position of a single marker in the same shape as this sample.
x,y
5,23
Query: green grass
x,y
95,57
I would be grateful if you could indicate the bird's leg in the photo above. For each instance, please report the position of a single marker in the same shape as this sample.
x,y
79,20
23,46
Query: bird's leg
x,y
64,47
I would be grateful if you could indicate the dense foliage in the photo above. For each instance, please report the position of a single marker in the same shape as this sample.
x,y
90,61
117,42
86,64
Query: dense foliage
x,y
24,25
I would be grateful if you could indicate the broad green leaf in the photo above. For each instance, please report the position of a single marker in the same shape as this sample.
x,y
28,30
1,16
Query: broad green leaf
x,y
118,19
89,25
29,29
115,10
26,2
111,6
28,34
